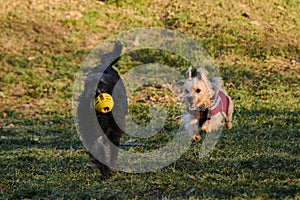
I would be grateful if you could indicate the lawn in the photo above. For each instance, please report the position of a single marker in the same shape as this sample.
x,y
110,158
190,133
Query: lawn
x,y
256,46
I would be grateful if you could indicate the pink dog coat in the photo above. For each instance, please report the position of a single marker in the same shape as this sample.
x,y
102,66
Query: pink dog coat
x,y
221,104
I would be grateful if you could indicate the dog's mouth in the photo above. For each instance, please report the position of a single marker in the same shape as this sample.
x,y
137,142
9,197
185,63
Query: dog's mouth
x,y
192,105
197,105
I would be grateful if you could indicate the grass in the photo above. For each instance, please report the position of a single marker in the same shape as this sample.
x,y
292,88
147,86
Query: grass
x,y
256,46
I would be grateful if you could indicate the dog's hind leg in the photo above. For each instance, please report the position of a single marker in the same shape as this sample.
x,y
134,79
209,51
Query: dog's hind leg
x,y
229,116
114,150
114,144
99,153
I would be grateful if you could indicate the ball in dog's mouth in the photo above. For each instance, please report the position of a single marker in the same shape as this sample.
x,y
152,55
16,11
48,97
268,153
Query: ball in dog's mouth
x,y
104,103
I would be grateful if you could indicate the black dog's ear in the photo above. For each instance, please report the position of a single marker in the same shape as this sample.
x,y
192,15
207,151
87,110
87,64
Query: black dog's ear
x,y
91,79
106,79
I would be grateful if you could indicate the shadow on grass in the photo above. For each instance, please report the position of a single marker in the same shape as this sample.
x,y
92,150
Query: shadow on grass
x,y
270,176
257,158
59,133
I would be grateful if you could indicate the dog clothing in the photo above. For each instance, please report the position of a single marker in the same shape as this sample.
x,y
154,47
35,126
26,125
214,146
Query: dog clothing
x,y
221,104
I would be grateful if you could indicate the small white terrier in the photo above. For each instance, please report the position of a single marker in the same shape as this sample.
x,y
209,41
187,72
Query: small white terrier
x,y
209,107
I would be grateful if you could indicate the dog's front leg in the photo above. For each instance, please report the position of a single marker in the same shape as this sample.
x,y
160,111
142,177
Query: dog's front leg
x,y
98,150
114,136
113,155
191,125
229,116
206,127
214,124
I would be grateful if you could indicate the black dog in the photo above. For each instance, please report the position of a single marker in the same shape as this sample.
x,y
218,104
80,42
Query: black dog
x,y
103,79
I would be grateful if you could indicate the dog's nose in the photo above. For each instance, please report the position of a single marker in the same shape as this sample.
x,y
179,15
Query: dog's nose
x,y
190,99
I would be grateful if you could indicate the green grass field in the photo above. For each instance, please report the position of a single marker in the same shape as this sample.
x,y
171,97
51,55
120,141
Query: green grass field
x,y
256,45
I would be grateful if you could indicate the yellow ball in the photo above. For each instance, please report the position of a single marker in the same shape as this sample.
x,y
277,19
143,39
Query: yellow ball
x,y
104,103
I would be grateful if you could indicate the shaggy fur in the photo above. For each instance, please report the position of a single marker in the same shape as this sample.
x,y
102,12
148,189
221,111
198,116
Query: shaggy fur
x,y
200,94
103,79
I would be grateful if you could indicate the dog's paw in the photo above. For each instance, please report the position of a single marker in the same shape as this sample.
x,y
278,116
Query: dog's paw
x,y
205,128
105,170
229,125
196,138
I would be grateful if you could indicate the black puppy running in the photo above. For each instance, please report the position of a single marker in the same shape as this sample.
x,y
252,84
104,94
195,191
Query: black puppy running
x,y
103,79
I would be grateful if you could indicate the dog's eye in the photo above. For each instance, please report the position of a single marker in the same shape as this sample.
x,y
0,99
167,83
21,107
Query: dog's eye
x,y
198,90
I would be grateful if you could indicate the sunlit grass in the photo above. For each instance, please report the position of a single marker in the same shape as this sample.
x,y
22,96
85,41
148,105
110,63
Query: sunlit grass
x,y
256,45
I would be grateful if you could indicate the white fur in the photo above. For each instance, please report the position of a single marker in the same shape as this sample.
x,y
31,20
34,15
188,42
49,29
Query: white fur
x,y
204,99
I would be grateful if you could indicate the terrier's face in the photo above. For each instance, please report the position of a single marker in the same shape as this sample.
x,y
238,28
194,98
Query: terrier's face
x,y
198,91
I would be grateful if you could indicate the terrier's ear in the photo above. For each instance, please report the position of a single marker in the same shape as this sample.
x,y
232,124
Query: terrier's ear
x,y
202,74
189,73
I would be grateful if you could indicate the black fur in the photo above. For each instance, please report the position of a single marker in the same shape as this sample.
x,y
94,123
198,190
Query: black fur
x,y
103,79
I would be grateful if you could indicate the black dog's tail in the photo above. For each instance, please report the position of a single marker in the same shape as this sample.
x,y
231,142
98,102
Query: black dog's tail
x,y
110,59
